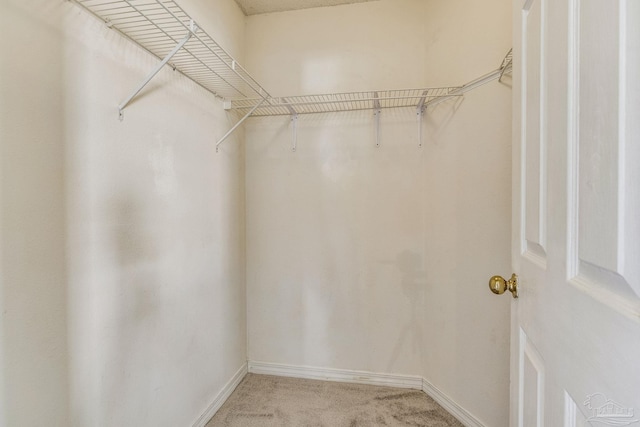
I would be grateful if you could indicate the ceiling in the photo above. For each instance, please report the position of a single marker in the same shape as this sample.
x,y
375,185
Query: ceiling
x,y
255,7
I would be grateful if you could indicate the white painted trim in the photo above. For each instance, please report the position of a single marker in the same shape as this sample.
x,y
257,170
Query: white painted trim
x,y
339,375
464,416
222,396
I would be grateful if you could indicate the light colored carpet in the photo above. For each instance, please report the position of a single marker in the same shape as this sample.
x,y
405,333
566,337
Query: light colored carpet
x,y
267,401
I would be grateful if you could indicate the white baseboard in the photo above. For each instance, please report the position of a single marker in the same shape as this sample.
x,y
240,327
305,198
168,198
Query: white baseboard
x,y
339,375
450,405
221,397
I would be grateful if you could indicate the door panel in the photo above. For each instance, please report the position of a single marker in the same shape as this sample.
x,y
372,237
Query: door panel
x,y
598,125
532,391
534,160
576,213
603,256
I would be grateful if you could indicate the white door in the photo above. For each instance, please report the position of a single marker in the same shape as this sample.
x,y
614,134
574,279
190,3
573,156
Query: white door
x,y
575,357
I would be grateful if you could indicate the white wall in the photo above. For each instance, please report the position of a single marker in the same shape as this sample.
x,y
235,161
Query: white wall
x,y
122,242
372,258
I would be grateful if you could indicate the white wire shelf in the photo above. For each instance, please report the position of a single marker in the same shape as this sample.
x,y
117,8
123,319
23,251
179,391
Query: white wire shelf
x,y
339,102
420,99
353,101
164,29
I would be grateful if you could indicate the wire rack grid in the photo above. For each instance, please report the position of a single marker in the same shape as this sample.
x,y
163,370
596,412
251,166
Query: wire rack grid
x,y
337,102
160,25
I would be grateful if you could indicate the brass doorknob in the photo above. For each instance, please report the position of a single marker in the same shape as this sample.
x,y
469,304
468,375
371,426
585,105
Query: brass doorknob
x,y
499,285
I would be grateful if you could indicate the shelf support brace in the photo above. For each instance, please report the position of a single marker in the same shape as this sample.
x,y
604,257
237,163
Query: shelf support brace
x,y
226,135
294,123
376,115
507,64
420,113
157,69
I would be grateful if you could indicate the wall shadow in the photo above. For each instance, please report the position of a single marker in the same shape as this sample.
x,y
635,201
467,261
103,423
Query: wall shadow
x,y
412,284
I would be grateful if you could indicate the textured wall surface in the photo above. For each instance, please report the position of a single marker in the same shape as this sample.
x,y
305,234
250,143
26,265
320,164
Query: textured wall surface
x,y
122,242
372,258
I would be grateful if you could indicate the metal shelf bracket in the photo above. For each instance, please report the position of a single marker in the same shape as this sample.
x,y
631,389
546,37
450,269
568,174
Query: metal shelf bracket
x,y
420,115
376,115
420,109
237,125
294,123
193,28
294,129
507,64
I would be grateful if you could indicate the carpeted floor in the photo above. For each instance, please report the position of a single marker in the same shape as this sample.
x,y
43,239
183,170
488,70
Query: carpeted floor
x,y
267,401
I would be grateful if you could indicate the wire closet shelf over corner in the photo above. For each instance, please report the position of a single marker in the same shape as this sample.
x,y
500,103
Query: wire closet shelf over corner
x,y
165,30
